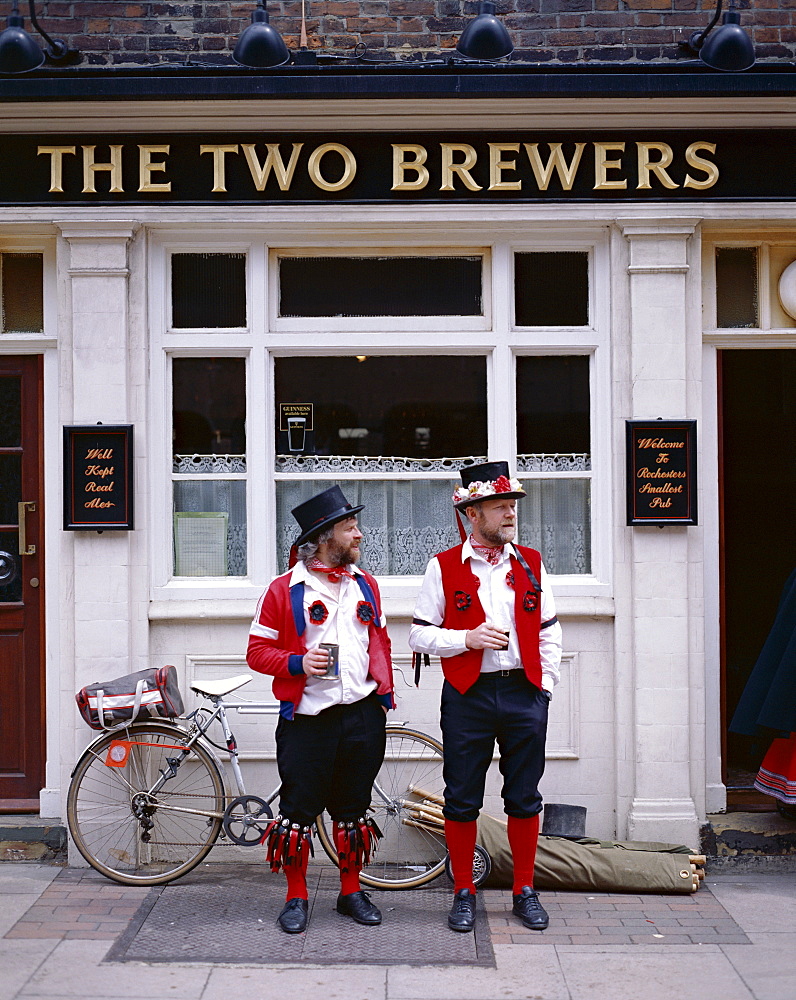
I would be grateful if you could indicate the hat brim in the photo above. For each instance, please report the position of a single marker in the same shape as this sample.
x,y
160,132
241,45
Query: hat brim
x,y
331,519
492,496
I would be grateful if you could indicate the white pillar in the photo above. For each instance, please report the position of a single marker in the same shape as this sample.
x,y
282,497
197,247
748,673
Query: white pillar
x,y
663,606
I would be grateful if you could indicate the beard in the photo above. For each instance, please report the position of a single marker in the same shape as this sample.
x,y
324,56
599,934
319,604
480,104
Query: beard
x,y
496,536
342,555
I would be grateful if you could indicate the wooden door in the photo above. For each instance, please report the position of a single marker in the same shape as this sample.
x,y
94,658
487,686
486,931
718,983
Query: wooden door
x,y
21,591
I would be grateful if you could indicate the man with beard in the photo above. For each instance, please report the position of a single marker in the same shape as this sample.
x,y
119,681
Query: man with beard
x,y
330,738
485,607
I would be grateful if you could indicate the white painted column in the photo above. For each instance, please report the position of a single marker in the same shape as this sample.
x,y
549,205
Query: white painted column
x,y
663,604
107,383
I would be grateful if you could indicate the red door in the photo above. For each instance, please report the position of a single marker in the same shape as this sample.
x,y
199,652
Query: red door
x,y
21,591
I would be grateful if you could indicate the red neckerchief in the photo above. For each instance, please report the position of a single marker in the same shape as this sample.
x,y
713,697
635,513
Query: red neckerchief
x,y
335,573
492,553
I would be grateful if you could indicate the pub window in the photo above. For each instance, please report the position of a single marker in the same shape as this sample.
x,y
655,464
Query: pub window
x,y
551,289
737,287
392,431
208,290
380,286
22,281
554,460
209,471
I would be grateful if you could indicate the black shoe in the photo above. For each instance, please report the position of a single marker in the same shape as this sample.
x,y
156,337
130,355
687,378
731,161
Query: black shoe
x,y
462,914
293,918
530,911
358,906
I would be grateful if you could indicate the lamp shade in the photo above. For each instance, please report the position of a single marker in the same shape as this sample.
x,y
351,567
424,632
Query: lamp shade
x,y
485,37
261,45
19,53
728,48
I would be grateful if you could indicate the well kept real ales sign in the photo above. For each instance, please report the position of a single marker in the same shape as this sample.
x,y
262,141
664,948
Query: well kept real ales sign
x,y
98,477
278,168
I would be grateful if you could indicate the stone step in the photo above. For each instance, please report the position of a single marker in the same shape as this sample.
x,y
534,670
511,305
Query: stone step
x,y
752,834
32,838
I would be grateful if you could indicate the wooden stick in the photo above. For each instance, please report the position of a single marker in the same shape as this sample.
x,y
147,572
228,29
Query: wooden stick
x,y
421,826
427,795
697,859
417,813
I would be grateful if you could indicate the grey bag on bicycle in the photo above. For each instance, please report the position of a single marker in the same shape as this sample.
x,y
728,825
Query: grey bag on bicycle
x,y
145,694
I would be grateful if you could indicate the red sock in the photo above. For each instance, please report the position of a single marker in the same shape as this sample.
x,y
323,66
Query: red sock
x,y
460,838
523,837
296,873
347,860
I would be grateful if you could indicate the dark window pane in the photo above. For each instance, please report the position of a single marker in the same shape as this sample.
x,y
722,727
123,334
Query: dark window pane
x,y
551,289
10,417
10,487
23,292
736,287
380,286
10,567
208,289
553,405
416,407
209,409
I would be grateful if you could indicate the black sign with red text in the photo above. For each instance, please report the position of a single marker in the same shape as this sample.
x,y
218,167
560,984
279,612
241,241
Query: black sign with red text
x,y
98,477
661,472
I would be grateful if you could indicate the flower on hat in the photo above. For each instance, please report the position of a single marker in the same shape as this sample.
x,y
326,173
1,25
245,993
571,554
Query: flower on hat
x,y
479,490
502,485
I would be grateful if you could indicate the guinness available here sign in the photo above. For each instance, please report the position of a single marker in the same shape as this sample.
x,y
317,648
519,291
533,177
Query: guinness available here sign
x,y
661,472
98,477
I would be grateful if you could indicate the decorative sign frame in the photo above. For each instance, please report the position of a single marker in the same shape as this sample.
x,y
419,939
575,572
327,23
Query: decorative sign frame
x,y
661,472
98,477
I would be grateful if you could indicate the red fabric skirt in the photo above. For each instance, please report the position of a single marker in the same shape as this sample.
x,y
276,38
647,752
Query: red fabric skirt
x,y
777,774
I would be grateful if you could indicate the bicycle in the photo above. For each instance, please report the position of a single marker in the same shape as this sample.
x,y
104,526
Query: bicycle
x,y
147,800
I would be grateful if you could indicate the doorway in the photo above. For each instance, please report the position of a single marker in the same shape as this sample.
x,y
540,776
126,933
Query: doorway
x,y
22,735
757,470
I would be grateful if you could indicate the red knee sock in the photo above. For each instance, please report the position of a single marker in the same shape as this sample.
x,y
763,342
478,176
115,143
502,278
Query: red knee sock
x,y
347,860
523,837
296,873
460,838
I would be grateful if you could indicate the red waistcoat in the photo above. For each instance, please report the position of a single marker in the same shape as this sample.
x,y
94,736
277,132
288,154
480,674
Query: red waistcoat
x,y
463,610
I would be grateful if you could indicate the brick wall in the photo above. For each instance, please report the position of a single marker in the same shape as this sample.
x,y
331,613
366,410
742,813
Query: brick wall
x,y
115,32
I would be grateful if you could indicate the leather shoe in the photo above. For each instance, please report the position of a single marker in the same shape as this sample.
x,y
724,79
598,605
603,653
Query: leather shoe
x,y
462,914
293,918
530,911
358,906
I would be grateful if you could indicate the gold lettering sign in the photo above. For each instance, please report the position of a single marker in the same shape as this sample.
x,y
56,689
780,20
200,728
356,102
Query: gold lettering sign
x,y
661,472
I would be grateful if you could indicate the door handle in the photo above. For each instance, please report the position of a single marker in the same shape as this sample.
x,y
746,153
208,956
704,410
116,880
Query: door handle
x,y
23,507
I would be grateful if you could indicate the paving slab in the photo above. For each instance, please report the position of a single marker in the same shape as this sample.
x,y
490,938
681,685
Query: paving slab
x,y
338,983
769,967
758,904
18,961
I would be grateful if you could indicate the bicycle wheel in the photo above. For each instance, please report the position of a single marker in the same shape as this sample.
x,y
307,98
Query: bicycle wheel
x,y
132,831
405,803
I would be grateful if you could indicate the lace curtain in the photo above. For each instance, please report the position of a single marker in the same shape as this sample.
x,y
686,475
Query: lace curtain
x,y
227,496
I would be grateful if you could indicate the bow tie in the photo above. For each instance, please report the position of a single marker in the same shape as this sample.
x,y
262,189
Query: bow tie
x,y
492,553
335,573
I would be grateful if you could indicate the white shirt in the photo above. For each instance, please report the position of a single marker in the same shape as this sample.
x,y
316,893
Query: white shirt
x,y
497,600
342,627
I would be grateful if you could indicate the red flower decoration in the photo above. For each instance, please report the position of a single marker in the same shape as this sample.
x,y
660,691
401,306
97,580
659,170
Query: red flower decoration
x,y
502,485
531,600
510,578
462,600
318,612
365,612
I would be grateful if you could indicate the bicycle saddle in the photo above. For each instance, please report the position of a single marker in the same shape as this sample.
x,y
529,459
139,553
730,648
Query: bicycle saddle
x,y
218,688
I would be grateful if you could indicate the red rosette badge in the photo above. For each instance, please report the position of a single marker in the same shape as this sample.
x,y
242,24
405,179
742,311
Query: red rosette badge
x,y
365,612
318,612
462,600
531,600
510,578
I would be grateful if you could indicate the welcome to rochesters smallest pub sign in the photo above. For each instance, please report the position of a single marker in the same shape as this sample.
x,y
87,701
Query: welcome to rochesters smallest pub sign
x,y
661,472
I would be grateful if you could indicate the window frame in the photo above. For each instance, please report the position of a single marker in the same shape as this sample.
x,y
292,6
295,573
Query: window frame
x,y
268,337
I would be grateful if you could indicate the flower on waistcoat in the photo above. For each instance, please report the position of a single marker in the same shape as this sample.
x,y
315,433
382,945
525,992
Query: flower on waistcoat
x,y
531,600
365,612
462,600
318,612
510,578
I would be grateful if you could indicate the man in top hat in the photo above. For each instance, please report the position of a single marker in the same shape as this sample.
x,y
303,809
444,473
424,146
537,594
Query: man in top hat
x,y
330,738
485,607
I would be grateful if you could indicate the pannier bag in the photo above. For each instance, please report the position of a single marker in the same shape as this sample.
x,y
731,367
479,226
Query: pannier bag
x,y
131,698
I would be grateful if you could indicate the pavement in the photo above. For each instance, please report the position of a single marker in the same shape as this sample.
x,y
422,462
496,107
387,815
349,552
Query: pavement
x,y
69,932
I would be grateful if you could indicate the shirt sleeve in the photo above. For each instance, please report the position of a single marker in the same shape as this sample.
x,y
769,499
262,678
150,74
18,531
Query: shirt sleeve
x,y
550,636
426,634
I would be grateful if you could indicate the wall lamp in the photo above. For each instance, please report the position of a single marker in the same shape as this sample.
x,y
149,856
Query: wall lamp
x,y
729,48
485,37
19,51
261,45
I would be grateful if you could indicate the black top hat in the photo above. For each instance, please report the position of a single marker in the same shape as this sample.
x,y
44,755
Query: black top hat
x,y
322,511
565,821
485,482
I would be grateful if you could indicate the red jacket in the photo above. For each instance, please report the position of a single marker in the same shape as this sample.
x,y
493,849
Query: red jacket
x,y
463,610
282,609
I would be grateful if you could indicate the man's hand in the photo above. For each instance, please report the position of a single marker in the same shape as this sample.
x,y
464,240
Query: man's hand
x,y
486,637
315,661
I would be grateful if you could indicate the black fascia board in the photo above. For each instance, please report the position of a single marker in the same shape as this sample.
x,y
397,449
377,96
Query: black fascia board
x,y
398,80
